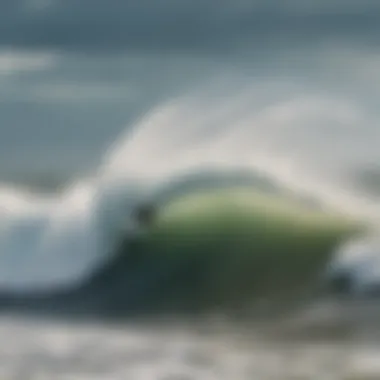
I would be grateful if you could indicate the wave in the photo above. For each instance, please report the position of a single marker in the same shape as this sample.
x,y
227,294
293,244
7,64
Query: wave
x,y
63,246
210,249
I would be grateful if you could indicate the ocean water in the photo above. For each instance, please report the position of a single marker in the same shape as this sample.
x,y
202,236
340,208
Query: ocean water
x,y
90,129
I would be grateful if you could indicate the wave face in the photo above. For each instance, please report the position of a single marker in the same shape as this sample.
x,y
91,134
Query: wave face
x,y
55,243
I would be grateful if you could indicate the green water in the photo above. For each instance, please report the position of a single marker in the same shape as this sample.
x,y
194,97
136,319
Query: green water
x,y
232,247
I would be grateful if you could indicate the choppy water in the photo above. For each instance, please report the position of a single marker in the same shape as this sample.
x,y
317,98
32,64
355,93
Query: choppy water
x,y
170,349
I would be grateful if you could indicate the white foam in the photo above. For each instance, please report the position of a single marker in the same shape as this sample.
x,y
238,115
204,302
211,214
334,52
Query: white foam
x,y
360,260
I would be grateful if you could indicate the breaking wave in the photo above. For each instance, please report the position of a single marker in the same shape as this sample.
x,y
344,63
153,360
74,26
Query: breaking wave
x,y
60,243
